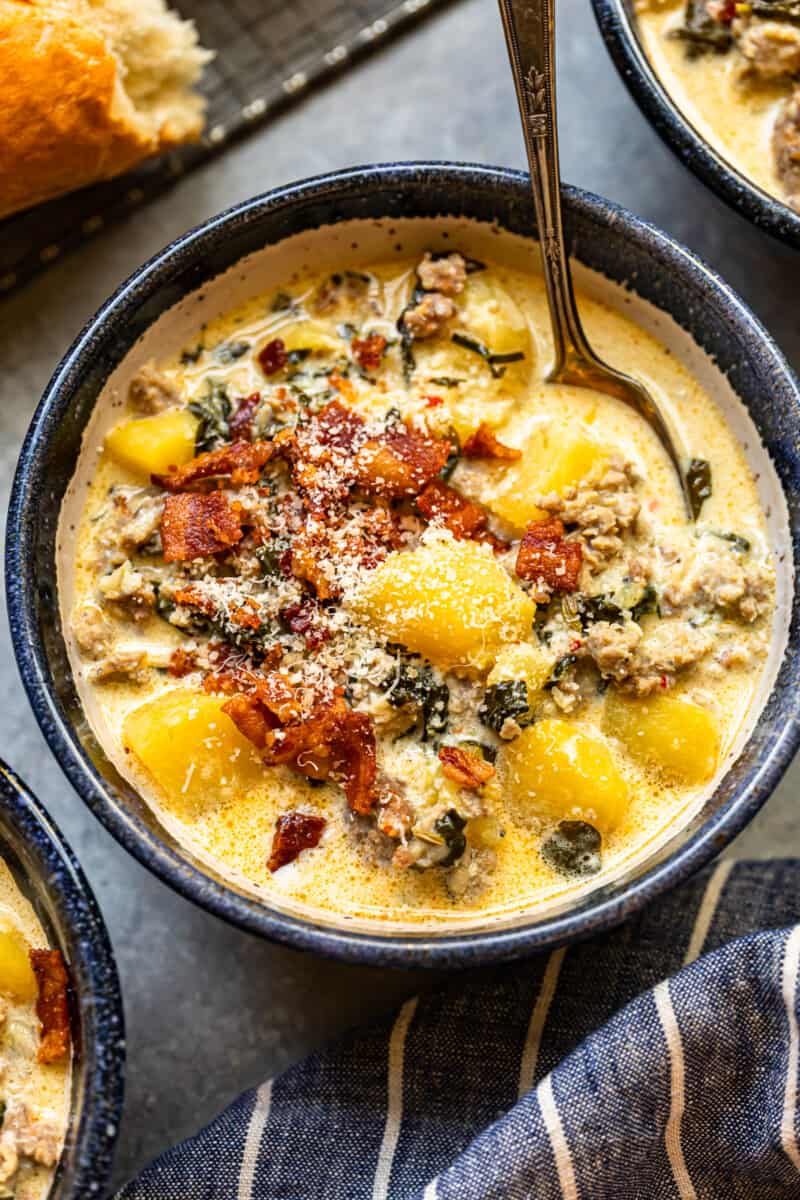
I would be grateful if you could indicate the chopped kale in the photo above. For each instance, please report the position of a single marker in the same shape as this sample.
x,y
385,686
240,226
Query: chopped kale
x,y
495,362
347,331
297,356
505,701
393,419
574,848
228,352
736,540
214,411
450,827
415,682
701,33
560,669
281,301
3,1107
698,482
452,458
777,10
270,554
487,752
647,604
446,381
406,339
191,356
598,608
543,618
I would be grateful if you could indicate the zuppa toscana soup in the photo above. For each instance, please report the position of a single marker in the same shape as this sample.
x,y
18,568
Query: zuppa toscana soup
x,y
734,70
34,1049
382,624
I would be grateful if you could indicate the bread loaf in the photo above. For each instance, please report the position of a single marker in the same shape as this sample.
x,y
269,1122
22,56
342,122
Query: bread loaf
x,y
88,88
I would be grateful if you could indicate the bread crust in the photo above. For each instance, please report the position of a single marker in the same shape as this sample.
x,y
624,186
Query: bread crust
x,y
65,120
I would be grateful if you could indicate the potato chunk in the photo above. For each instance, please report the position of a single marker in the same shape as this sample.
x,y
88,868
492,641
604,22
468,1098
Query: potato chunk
x,y
522,660
151,445
193,751
16,973
557,771
666,732
448,601
547,465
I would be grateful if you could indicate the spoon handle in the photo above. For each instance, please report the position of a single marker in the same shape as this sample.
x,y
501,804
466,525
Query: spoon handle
x,y
530,36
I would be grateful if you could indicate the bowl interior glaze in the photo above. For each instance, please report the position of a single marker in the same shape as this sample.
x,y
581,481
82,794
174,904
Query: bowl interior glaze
x,y
48,875
617,23
618,253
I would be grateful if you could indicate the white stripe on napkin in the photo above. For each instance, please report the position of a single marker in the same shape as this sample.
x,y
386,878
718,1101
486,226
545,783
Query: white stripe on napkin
x,y
708,906
791,958
394,1109
430,1191
672,1133
258,1120
533,1041
555,1130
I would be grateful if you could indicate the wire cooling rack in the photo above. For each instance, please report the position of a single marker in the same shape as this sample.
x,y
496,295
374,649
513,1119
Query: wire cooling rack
x,y
268,53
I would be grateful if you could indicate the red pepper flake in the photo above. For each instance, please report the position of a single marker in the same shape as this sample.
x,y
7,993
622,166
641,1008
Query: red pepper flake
x,y
294,832
182,662
241,422
576,645
433,401
368,351
663,681
273,357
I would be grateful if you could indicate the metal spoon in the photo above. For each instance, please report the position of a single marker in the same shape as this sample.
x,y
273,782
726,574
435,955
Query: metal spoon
x,y
530,36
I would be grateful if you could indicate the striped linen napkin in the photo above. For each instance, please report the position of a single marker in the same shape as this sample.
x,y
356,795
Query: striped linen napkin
x,y
624,1068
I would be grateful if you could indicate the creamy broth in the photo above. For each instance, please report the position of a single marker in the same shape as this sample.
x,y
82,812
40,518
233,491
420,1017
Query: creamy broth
x,y
124,653
34,1094
734,106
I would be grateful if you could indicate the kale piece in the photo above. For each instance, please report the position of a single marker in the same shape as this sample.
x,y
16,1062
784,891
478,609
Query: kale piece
x,y
416,683
505,701
495,362
214,410
450,827
698,481
560,669
574,848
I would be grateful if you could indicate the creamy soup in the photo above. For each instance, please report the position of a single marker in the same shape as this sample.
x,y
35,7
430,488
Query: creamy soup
x,y
382,624
733,69
34,1049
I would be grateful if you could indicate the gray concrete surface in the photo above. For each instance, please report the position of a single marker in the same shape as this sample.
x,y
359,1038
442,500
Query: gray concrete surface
x,y
211,1011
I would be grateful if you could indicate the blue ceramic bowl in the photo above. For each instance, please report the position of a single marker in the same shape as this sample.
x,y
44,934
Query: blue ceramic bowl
x,y
602,237
49,876
617,22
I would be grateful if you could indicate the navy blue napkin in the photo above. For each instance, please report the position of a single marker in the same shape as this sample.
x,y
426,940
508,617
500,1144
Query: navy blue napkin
x,y
659,1061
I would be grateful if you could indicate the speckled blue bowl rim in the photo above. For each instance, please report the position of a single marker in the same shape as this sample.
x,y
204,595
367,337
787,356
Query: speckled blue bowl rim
x,y
749,200
52,867
600,910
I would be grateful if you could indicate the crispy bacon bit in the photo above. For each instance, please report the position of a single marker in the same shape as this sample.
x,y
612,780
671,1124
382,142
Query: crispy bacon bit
x,y
294,832
246,615
433,401
241,421
465,768
307,620
273,357
329,741
483,444
182,662
193,597
318,545
466,520
321,454
369,351
52,1005
400,463
343,386
546,557
194,526
241,460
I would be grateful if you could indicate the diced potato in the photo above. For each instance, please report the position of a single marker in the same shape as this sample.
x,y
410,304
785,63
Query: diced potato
x,y
309,335
522,660
193,751
16,973
560,772
549,463
666,732
488,313
448,601
151,445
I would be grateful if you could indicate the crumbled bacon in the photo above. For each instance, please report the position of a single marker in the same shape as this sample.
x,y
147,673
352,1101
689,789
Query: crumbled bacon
x,y
322,453
343,385
194,597
182,662
294,832
307,620
483,444
328,741
195,525
319,544
369,351
466,520
242,461
465,768
52,1005
241,421
273,357
400,463
546,557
